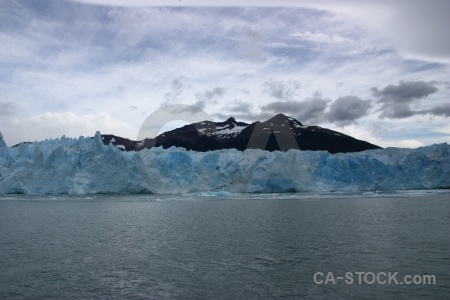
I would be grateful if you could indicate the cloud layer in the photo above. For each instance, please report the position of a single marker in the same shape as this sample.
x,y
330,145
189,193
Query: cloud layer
x,y
322,63
346,110
396,100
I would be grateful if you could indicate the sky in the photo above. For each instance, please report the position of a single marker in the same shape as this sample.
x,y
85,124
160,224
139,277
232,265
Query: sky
x,y
375,70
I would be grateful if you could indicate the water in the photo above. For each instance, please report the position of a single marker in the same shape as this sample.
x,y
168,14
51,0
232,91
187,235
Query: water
x,y
206,246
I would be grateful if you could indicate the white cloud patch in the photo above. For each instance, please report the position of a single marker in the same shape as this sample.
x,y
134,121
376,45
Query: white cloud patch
x,y
320,38
323,42
55,125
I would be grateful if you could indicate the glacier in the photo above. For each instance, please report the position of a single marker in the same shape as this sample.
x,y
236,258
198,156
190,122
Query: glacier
x,y
85,165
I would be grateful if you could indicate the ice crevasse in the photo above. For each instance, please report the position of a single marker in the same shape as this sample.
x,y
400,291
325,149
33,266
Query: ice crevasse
x,y
87,166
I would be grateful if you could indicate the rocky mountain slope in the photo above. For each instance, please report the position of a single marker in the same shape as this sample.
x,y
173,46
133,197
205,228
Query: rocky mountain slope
x,y
278,133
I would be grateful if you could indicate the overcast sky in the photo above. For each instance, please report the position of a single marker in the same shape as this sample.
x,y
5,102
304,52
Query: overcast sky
x,y
376,70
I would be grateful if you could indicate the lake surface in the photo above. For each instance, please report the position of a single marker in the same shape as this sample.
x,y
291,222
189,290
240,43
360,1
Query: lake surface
x,y
205,246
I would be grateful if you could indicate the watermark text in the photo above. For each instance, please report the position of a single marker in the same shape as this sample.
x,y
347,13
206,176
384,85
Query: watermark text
x,y
373,278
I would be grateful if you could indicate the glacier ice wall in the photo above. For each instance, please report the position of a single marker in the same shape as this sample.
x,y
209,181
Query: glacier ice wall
x,y
86,166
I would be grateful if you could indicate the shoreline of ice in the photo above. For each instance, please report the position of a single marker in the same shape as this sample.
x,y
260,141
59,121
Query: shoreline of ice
x,y
224,196
86,166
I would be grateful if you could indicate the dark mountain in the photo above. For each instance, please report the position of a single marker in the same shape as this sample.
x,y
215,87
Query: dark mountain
x,y
278,133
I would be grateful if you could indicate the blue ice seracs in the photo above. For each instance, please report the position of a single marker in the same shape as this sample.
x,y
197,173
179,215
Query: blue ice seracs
x,y
86,166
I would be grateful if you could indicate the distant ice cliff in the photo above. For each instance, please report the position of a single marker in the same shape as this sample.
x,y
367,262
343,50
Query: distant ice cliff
x,y
87,166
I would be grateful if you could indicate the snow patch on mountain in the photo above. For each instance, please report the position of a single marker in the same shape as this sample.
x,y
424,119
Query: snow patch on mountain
x,y
221,130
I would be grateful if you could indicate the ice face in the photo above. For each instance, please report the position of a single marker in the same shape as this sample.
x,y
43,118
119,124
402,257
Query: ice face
x,y
86,166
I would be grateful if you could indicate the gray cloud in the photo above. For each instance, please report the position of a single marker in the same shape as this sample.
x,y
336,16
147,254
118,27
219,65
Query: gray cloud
x,y
185,109
396,100
346,110
7,108
208,96
133,107
309,110
312,109
440,110
281,90
417,29
176,88
242,111
211,94
221,116
406,90
239,110
193,109
241,107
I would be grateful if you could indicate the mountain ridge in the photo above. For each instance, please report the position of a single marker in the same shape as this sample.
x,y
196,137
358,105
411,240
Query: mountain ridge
x,y
279,133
